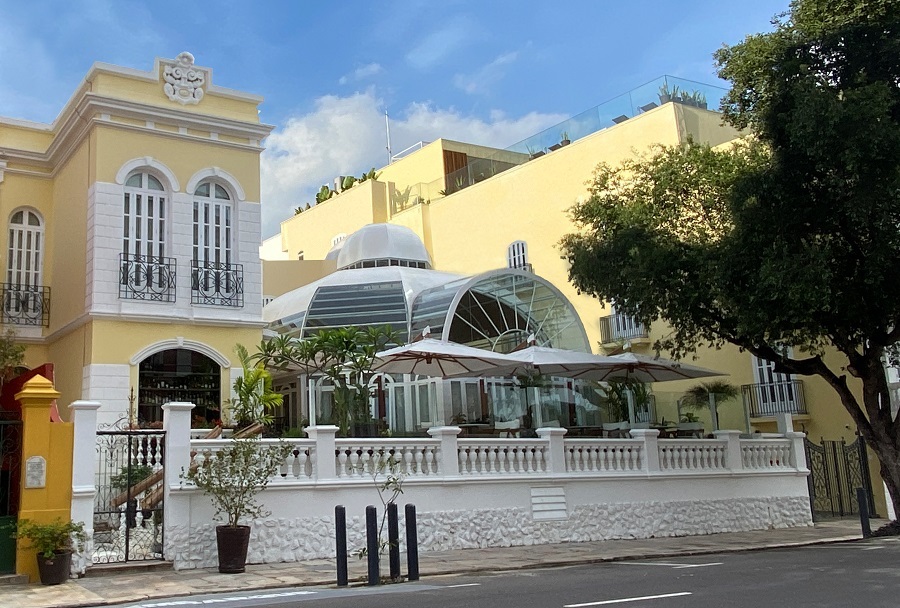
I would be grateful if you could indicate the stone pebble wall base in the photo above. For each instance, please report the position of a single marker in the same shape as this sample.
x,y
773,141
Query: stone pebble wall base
x,y
297,539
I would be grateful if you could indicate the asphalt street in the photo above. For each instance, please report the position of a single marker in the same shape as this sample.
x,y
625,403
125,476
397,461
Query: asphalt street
x,y
863,573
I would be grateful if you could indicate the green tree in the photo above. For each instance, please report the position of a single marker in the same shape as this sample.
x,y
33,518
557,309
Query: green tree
x,y
344,355
788,239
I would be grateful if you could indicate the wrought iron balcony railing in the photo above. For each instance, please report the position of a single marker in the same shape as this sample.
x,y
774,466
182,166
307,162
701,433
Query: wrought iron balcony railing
x,y
146,277
217,284
768,399
620,327
25,304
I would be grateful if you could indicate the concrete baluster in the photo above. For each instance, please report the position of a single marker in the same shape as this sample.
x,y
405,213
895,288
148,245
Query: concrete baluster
x,y
734,458
448,454
324,435
556,448
176,507
650,437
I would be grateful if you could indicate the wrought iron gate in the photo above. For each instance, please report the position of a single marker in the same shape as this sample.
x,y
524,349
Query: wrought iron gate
x,y
10,471
128,508
836,470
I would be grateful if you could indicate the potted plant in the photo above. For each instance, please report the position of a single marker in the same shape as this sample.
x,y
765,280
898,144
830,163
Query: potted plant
x,y
664,95
690,422
698,397
232,477
54,543
564,139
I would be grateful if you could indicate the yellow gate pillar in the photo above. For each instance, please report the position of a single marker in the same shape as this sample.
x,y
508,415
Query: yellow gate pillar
x,y
46,480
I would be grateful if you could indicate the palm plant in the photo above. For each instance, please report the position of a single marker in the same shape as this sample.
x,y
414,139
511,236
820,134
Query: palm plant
x,y
698,397
255,397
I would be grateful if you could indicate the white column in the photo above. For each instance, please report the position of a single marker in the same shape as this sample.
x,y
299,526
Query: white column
x,y
448,455
83,415
323,455
556,447
785,422
798,450
650,437
734,460
176,510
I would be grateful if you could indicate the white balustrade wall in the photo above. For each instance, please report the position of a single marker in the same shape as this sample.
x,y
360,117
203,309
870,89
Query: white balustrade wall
x,y
489,492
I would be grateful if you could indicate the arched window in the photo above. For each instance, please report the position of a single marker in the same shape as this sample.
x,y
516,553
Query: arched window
x,y
24,294
147,274
217,280
517,256
183,375
145,216
25,249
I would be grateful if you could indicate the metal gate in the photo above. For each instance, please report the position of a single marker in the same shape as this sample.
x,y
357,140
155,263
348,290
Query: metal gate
x,y
128,509
836,470
10,471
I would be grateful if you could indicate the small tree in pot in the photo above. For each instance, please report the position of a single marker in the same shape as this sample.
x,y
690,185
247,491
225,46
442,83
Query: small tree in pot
x,y
232,477
54,542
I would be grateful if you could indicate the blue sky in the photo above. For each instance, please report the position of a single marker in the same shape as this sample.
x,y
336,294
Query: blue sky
x,y
490,72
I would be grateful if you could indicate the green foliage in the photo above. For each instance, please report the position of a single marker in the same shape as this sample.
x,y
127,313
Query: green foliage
x,y
48,538
129,476
697,397
345,355
789,239
12,355
616,395
254,396
689,417
234,475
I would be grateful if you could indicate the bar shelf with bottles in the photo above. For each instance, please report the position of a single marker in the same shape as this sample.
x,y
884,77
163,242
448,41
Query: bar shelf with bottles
x,y
158,388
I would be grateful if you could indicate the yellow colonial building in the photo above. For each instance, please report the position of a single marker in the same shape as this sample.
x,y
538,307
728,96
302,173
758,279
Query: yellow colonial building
x,y
131,249
478,209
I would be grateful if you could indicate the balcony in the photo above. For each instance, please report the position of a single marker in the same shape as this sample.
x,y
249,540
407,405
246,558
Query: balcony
x,y
146,277
217,284
619,327
26,304
767,399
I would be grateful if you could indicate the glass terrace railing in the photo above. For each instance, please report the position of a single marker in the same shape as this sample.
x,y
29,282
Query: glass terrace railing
x,y
619,109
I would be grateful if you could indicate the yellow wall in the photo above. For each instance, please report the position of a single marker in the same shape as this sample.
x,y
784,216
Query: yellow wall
x,y
69,354
149,92
115,147
24,138
53,442
282,276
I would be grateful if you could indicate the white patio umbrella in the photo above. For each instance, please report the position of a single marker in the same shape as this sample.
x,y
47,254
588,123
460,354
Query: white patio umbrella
x,y
643,368
430,357
547,361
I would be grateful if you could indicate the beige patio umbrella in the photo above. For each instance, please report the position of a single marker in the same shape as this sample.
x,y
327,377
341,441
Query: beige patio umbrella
x,y
430,357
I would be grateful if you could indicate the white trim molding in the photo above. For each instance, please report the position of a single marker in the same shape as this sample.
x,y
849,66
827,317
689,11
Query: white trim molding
x,y
216,172
147,161
180,342
2,167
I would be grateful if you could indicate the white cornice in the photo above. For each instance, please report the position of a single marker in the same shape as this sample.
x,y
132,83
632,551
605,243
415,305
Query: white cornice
x,y
74,129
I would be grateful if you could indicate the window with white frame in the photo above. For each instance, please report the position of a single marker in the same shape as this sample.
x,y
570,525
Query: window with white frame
x,y
212,224
216,280
25,299
517,255
25,248
145,217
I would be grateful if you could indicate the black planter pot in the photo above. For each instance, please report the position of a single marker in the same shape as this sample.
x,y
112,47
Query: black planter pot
x,y
54,570
232,543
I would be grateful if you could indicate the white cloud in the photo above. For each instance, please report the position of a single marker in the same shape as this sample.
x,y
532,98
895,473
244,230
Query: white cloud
x,y
441,43
361,73
346,135
486,76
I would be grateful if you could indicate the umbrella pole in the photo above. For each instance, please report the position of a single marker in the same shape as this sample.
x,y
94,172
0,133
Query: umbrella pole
x,y
311,397
712,411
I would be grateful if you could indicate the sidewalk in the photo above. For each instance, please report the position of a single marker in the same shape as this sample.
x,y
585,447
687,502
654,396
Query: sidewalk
x,y
133,586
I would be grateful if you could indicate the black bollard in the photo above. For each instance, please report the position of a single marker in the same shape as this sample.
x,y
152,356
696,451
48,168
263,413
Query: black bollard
x,y
412,544
393,541
340,535
372,548
862,499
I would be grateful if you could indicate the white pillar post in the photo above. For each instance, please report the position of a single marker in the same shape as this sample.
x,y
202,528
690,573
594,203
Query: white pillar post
x,y
798,450
556,447
785,422
83,415
650,437
176,507
734,459
448,455
323,455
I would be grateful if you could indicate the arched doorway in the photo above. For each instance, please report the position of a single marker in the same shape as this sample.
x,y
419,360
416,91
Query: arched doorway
x,y
183,375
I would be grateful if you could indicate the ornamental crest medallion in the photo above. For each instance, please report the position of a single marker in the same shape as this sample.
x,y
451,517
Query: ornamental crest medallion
x,y
184,81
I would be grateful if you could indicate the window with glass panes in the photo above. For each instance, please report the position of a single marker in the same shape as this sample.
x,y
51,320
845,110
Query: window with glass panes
x,y
145,217
25,246
212,224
